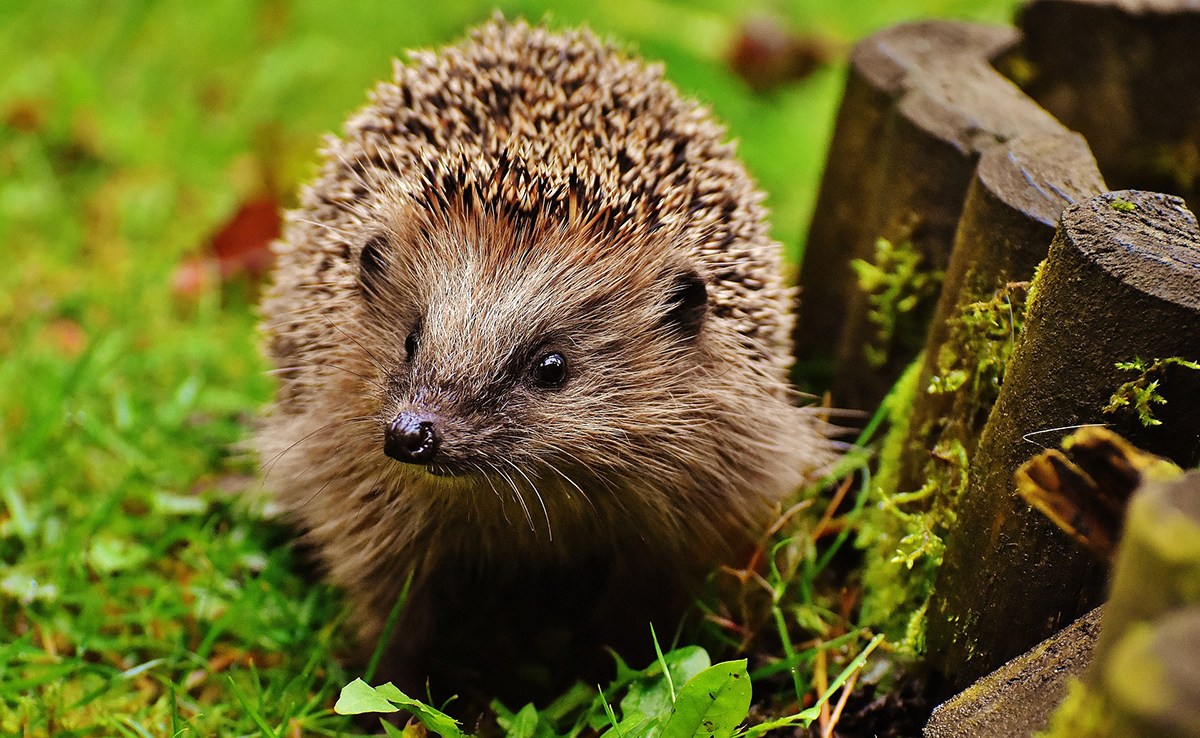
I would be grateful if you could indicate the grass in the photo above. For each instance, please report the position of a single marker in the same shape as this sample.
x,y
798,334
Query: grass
x,y
143,591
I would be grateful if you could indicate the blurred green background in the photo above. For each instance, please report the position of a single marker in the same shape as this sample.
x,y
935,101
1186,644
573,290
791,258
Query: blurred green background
x,y
135,590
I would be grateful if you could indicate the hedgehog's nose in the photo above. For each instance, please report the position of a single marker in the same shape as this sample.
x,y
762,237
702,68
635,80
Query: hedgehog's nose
x,y
411,438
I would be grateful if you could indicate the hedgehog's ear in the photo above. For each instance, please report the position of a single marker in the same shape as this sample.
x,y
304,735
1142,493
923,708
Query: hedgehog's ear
x,y
372,265
687,304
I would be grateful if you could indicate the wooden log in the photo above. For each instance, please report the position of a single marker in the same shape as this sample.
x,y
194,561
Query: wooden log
x,y
1011,213
1150,681
1143,679
1122,282
1158,562
922,101
1125,74
1017,699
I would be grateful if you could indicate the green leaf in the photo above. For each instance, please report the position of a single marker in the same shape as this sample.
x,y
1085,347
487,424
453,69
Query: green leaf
x,y
651,694
434,720
633,725
358,697
570,703
391,730
110,554
524,723
712,703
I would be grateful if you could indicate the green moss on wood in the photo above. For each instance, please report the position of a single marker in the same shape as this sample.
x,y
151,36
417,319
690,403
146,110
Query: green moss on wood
x,y
896,282
1080,715
980,343
1140,394
903,547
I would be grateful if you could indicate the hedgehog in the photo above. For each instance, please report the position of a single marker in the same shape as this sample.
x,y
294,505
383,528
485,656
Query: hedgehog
x,y
533,343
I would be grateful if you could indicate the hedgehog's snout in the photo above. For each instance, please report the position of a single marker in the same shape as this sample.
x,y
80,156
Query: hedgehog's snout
x,y
412,438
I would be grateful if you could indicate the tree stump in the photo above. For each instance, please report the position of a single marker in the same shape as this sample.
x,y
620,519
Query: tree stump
x,y
922,101
1114,312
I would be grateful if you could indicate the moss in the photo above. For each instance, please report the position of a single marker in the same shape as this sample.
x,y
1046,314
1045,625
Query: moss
x,y
904,531
1140,394
1079,715
896,284
898,409
1034,283
1123,206
902,548
981,341
1135,676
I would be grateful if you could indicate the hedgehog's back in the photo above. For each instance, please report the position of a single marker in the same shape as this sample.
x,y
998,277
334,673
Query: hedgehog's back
x,y
524,120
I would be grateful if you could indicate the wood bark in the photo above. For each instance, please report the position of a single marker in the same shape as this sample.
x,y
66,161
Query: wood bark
x,y
1019,190
1126,75
922,102
1143,679
1017,699
1122,282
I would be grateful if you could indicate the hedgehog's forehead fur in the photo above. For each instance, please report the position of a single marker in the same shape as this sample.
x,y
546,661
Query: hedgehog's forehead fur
x,y
486,281
530,126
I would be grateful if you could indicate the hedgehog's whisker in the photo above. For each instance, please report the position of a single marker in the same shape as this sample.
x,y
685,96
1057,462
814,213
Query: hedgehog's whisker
x,y
383,467
327,483
542,502
310,362
367,351
573,484
333,425
488,477
592,472
520,498
336,449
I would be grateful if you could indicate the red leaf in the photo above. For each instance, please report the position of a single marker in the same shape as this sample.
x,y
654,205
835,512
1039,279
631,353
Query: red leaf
x,y
766,55
244,243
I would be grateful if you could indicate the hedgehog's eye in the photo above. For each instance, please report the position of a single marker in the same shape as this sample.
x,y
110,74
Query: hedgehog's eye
x,y
372,264
550,370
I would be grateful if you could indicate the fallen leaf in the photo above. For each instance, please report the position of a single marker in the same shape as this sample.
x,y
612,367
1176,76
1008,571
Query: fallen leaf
x,y
244,243
26,115
766,55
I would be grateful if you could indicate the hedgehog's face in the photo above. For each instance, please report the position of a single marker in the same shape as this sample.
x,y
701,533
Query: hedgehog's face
x,y
527,366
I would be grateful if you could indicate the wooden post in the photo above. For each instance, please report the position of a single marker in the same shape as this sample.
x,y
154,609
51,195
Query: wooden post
x,y
1149,683
1016,700
922,101
1158,562
1126,75
1120,288
1019,190
1143,679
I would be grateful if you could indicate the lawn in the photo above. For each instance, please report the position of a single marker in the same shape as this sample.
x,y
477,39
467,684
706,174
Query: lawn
x,y
144,588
